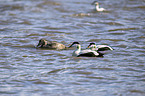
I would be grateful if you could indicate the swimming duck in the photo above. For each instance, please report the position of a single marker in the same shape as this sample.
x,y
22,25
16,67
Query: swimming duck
x,y
97,6
50,45
84,53
95,47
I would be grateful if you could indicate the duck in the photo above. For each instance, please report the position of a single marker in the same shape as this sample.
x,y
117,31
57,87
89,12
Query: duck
x,y
97,6
43,43
84,53
95,47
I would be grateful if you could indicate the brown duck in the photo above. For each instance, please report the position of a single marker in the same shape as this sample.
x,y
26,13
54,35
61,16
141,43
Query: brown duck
x,y
50,45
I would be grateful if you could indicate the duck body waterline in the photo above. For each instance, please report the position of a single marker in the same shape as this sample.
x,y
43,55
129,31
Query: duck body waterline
x,y
50,45
90,53
84,53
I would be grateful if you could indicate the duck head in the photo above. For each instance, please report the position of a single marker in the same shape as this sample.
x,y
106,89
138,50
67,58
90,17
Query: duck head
x,y
95,3
74,43
92,46
42,42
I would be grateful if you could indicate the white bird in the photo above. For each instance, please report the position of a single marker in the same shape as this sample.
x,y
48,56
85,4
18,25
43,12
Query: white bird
x,y
95,47
84,53
97,6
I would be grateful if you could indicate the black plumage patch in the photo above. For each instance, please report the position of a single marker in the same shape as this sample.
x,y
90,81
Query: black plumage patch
x,y
90,54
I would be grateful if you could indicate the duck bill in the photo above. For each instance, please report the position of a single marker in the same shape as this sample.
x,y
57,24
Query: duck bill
x,y
88,47
73,44
39,45
95,2
70,45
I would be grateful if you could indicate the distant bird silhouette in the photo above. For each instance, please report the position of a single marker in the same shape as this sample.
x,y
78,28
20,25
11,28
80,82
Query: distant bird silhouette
x,y
97,6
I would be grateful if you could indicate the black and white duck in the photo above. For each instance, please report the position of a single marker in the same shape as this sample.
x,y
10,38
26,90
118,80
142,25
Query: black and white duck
x,y
84,53
95,47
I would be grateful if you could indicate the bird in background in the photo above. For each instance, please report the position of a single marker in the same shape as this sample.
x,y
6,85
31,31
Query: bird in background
x,y
97,8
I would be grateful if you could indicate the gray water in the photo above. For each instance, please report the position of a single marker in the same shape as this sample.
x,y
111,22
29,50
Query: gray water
x,y
28,71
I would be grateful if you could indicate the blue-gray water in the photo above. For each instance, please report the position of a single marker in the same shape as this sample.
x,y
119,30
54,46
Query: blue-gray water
x,y
27,71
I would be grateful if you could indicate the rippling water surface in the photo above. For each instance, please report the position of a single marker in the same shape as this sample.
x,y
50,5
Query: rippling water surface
x,y
27,71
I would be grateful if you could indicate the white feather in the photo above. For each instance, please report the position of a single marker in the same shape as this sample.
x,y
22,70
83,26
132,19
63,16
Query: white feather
x,y
97,47
78,51
103,46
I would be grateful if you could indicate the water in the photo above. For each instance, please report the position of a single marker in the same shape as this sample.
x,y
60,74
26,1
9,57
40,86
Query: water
x,y
27,71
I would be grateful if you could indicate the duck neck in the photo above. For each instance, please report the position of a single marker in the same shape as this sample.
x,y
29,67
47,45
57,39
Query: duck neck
x,y
77,51
97,6
79,47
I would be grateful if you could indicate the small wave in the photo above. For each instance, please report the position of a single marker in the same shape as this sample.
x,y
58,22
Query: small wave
x,y
123,29
81,14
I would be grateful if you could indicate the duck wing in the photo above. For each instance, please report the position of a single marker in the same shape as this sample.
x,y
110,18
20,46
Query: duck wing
x,y
90,53
103,47
56,45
